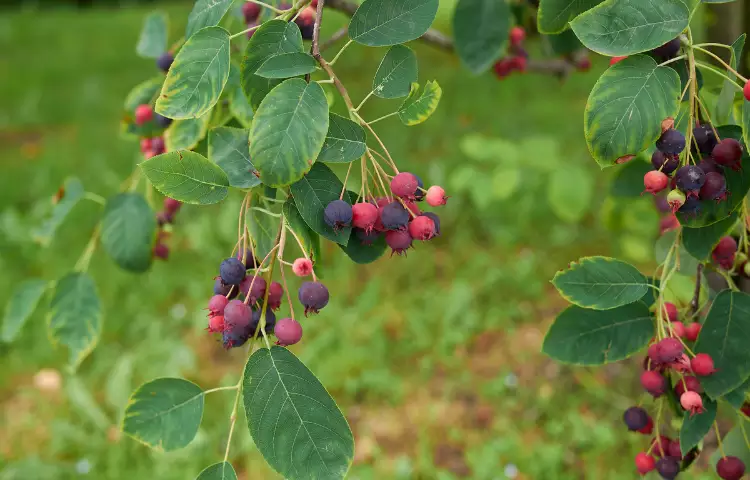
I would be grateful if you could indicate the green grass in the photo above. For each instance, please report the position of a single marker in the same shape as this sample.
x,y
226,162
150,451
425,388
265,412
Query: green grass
x,y
434,358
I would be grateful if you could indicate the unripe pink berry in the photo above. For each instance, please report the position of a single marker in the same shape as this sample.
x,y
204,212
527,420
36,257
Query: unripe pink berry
x,y
614,60
302,267
422,228
655,181
746,90
143,113
288,331
692,331
275,293
671,311
654,383
364,216
702,364
436,196
404,185
688,383
171,205
668,350
644,463
217,304
692,402
216,324
678,329
517,36
250,11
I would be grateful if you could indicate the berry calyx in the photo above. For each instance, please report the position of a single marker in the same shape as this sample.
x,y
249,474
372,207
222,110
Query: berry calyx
x,y
655,181
702,364
143,113
692,402
313,296
422,228
730,468
399,241
288,331
436,196
671,142
302,267
217,304
692,331
404,185
232,271
517,36
668,468
338,214
635,418
644,463
275,293
364,216
728,153
164,61
216,324
654,383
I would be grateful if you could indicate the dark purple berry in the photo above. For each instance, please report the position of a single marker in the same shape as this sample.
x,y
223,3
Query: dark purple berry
x,y
692,206
666,163
221,289
708,166
233,339
232,271
394,216
705,138
164,61
157,145
674,450
366,238
162,121
662,204
668,50
728,153
671,142
399,240
668,468
435,219
250,261
635,418
307,30
255,287
715,187
420,193
338,214
730,468
270,322
237,315
690,179
314,296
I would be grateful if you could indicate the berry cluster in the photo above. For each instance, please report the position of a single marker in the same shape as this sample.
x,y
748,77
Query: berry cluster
x,y
518,55
305,19
666,52
398,218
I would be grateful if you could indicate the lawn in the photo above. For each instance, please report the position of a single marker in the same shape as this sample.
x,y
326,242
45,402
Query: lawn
x,y
434,358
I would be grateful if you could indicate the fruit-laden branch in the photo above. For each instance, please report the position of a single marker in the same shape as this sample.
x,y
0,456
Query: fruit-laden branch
x,y
558,66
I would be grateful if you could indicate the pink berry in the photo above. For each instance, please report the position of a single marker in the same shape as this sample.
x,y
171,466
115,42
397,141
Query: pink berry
x,y
668,350
253,286
678,329
692,331
217,304
302,267
746,90
702,364
399,241
145,145
143,113
250,11
692,402
161,251
422,228
171,205
671,310
654,383
688,383
644,463
660,446
288,331
404,185
237,315
275,294
655,181
216,324
517,36
364,216
668,223
436,196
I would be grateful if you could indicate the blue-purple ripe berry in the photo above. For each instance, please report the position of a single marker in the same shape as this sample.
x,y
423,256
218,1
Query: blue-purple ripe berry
x,y
237,315
665,163
635,418
692,206
233,338
365,238
255,286
689,179
420,193
250,261
668,468
221,289
705,138
232,271
164,61
708,165
313,296
338,214
162,121
714,188
668,50
671,142
394,216
399,240
270,322
435,219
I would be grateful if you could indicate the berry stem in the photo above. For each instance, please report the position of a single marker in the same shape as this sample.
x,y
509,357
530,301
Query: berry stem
x,y
708,119
741,424
719,59
693,83
283,275
336,57
346,179
377,172
94,198
367,97
219,389
233,419
728,279
672,60
694,303
711,69
728,47
341,33
382,145
383,117
299,243
267,212
718,439
83,261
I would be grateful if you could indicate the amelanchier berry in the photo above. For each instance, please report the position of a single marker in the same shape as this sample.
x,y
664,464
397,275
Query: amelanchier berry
x,y
161,251
216,305
233,338
615,60
635,418
157,145
671,142
655,181
668,50
692,206
708,165
730,468
247,257
517,36
668,468
644,463
702,364
660,446
365,238
313,296
229,291
692,331
143,114
421,192
654,383
237,315
404,185
692,402
338,214
664,163
250,11
364,216
670,309
288,332
690,179
687,383
254,287
715,187
399,240
746,90
162,121
302,267
435,220
667,350
705,138
394,216
232,271
422,228
275,294
215,324
436,196
306,22
728,153
165,61
270,322
171,205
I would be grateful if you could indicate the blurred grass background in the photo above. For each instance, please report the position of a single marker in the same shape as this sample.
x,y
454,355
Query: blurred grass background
x,y
434,358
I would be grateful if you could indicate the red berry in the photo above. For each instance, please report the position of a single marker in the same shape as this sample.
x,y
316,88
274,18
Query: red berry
x,y
655,181
671,310
399,241
614,60
668,350
728,153
674,449
302,267
171,205
436,196
746,90
584,64
161,251
654,383
364,216
730,468
288,331
687,383
422,228
644,463
517,36
660,446
143,113
702,364
519,63
275,293
217,304
692,402
649,428
726,248
745,409
145,145
216,324
692,331
250,11
678,329
668,223
503,68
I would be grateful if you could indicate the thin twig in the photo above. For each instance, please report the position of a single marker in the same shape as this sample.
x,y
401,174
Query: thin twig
x,y
694,303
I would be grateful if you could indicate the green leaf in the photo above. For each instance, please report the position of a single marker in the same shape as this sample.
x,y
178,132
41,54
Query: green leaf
x,y
628,179
197,77
312,193
294,422
128,230
309,239
725,101
725,335
345,141
626,107
186,134
228,148
480,30
74,318
72,193
218,471
581,336
700,242
206,13
738,184
733,445
239,104
695,427
153,40
264,229
361,253
736,397
287,65
600,283
625,27
397,71
569,193
381,23
21,305
165,413
143,93
187,176
553,15
256,88
419,106
288,131
687,265
650,297
564,43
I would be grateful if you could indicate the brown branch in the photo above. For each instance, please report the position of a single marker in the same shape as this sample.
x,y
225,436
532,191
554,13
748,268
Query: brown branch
x,y
316,29
694,303
324,65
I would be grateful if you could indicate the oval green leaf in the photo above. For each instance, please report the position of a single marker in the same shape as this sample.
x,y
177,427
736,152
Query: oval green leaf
x,y
480,31
725,335
553,15
564,43
218,471
74,318
197,76
288,131
312,193
287,65
187,176
239,104
128,229
700,242
293,420
345,141
72,193
397,71
206,13
381,23
736,397
581,336
153,39
186,134
626,107
21,305
695,427
228,148
309,239
164,414
361,253
601,283
625,27
419,106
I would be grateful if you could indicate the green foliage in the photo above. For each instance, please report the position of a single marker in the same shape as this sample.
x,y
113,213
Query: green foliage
x,y
239,104
570,192
187,176
206,13
345,141
420,104
293,420
695,427
218,471
723,337
396,73
736,397
309,239
553,15
197,76
361,253
481,28
264,229
628,180
153,40
626,107
21,305
228,148
601,283
312,194
595,337
186,134
128,231
72,191
700,242
165,413
287,65
725,100
381,23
